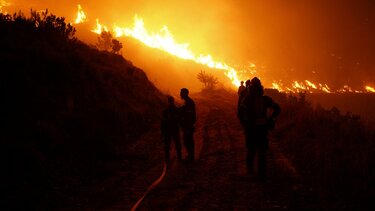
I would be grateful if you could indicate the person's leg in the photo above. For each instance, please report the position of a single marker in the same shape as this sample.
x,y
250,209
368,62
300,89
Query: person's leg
x,y
262,164
262,148
192,146
250,155
250,161
177,144
167,146
189,143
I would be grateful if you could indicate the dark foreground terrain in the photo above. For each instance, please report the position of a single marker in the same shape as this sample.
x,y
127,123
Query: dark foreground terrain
x,y
218,179
81,132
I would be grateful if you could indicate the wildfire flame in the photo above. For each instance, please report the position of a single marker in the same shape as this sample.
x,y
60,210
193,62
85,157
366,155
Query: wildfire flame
x,y
99,28
3,3
370,89
81,16
301,86
165,41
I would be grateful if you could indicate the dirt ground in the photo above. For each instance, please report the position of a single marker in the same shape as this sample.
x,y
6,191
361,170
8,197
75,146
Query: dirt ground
x,y
218,179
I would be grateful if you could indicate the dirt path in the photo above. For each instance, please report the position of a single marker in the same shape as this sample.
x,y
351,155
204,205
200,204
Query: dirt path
x,y
218,179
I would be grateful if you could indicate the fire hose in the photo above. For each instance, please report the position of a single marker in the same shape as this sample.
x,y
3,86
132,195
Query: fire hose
x,y
152,186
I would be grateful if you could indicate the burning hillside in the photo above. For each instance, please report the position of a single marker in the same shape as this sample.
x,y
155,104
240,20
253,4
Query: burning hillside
x,y
165,41
280,78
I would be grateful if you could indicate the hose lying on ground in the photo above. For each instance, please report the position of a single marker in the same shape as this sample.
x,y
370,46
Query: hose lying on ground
x,y
152,186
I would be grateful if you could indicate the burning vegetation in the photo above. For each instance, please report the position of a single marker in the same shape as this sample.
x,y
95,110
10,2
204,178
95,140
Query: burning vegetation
x,y
164,40
81,16
76,108
3,4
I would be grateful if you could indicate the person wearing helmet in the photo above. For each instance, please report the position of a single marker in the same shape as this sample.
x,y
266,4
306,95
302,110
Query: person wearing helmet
x,y
241,88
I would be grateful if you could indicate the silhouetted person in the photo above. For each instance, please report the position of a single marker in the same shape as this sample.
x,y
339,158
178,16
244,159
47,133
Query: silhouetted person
x,y
170,129
188,118
259,114
241,88
240,102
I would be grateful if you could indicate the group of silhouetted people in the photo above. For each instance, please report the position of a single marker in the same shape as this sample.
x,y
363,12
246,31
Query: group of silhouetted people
x,y
257,114
174,118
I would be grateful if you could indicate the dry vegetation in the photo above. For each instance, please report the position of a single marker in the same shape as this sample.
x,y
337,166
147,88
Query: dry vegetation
x,y
334,152
67,110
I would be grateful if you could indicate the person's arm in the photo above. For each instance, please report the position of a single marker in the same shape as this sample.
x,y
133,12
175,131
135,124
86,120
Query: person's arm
x,y
241,110
275,113
276,110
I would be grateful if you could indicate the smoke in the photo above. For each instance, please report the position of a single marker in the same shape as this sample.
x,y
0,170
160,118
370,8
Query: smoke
x,y
329,41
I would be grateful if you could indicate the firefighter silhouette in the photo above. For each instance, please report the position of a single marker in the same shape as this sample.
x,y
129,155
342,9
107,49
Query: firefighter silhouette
x,y
187,121
244,92
257,113
170,129
241,88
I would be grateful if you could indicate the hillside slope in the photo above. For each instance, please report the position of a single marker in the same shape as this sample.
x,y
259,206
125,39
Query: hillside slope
x,y
65,106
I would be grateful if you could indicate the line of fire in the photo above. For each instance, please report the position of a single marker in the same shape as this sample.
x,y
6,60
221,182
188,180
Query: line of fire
x,y
165,41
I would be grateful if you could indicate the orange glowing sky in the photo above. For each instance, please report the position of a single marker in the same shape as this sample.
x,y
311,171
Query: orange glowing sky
x,y
328,41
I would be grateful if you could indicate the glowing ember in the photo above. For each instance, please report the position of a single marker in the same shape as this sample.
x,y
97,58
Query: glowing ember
x,y
310,84
325,88
348,89
81,17
277,86
301,86
370,89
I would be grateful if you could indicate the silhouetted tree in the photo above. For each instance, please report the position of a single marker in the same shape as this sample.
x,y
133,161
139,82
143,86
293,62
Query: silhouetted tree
x,y
107,43
209,81
117,45
41,24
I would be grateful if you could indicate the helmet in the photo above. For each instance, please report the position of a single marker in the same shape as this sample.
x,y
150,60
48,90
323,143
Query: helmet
x,y
256,82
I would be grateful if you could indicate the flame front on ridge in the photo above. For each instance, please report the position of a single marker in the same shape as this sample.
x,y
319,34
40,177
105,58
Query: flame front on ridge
x,y
165,41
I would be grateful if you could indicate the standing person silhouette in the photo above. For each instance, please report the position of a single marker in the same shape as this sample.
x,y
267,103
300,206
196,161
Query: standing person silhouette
x,y
241,88
259,115
188,118
240,106
170,129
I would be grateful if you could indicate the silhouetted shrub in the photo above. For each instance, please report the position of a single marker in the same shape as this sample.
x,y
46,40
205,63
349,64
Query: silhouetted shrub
x,y
335,151
209,81
106,42
116,46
